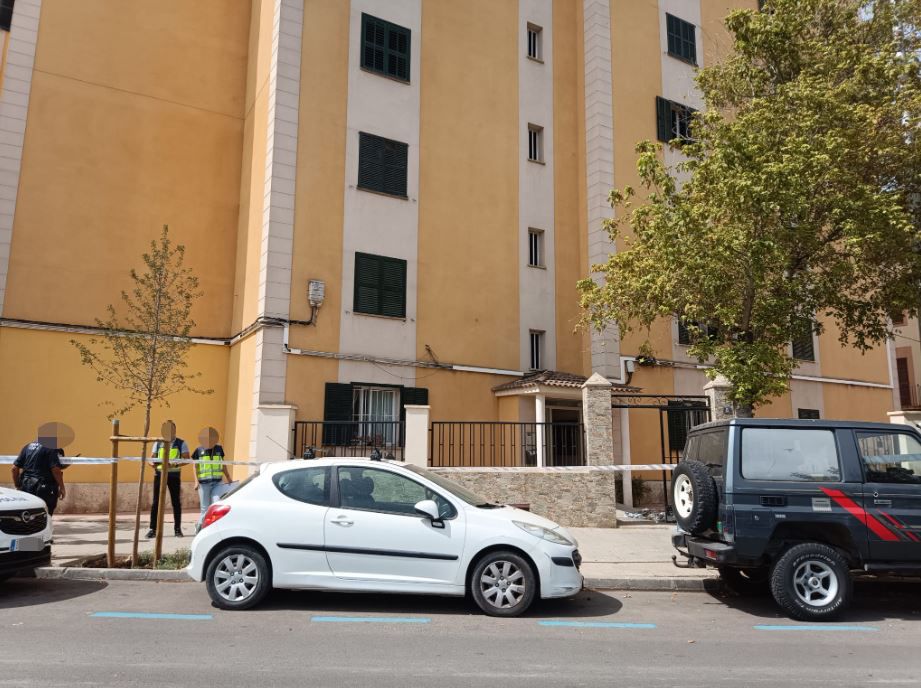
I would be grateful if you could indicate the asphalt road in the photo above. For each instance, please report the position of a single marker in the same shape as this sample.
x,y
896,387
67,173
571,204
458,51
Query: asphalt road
x,y
74,633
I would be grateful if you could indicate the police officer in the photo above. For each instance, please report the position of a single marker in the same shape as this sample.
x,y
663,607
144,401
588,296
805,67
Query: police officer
x,y
178,449
38,470
210,473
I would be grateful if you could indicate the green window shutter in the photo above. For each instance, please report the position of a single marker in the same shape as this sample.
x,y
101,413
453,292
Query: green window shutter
x,y
663,120
415,396
398,44
385,47
380,285
671,31
684,337
393,287
337,406
373,33
382,164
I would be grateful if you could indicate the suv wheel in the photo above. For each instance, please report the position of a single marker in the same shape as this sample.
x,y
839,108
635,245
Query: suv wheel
x,y
503,584
746,581
237,578
694,497
812,582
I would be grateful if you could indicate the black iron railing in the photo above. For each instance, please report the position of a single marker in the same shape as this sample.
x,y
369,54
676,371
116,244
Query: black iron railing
x,y
349,438
497,443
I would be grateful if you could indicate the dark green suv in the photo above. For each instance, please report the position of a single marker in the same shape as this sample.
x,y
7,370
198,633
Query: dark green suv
x,y
796,505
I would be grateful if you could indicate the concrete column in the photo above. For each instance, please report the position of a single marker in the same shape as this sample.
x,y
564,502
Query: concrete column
x,y
416,451
717,391
540,416
627,475
912,418
273,432
596,414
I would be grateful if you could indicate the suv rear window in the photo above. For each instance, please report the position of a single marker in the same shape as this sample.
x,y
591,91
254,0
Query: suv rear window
x,y
709,448
790,454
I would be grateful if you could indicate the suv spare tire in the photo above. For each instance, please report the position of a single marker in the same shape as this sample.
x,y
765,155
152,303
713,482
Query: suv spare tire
x,y
694,497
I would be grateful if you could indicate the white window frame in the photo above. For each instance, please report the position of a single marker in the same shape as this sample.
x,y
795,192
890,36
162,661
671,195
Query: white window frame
x,y
536,340
363,410
535,143
535,35
536,248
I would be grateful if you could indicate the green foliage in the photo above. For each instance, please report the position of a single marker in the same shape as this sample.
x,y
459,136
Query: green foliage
x,y
800,199
171,561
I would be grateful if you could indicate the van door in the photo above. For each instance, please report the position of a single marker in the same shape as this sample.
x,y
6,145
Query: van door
x,y
891,462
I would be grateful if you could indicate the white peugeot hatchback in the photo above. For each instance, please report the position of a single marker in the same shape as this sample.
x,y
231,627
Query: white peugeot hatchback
x,y
381,526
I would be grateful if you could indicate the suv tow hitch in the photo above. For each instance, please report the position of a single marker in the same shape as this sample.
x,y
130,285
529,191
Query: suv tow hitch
x,y
692,561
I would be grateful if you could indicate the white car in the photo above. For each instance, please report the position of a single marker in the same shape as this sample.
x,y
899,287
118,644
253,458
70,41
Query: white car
x,y
377,526
25,533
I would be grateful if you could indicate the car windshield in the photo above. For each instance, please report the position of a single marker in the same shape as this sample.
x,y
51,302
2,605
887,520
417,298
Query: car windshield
x,y
458,490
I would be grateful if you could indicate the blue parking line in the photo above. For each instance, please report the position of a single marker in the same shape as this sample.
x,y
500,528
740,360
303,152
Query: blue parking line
x,y
371,619
597,624
142,615
815,628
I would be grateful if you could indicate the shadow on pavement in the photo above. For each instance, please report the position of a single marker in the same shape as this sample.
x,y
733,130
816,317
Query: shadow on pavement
x,y
588,603
873,600
28,592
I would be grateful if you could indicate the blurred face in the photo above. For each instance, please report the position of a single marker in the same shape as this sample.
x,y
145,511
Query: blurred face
x,y
55,435
208,437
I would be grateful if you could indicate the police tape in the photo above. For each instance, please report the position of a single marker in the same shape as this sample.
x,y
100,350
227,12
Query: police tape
x,y
90,461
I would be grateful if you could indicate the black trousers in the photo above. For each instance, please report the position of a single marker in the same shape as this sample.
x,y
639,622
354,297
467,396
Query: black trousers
x,y
172,484
44,487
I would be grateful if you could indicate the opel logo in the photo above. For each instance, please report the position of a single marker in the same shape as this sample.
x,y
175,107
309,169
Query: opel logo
x,y
26,517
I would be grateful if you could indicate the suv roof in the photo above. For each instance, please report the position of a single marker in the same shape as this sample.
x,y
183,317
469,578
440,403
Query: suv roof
x,y
797,423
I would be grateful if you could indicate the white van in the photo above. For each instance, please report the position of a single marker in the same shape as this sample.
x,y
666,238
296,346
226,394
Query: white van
x,y
25,533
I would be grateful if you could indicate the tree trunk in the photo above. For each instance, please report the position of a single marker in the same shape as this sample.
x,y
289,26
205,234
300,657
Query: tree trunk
x,y
741,410
137,506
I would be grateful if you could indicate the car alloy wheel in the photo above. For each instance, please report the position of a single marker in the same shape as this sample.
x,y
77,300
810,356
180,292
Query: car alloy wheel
x,y
236,577
684,495
503,584
815,583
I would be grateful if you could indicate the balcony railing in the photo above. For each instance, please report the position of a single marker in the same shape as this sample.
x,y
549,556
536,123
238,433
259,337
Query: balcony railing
x,y
490,443
349,438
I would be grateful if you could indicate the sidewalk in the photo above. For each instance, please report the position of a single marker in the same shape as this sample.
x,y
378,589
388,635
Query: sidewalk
x,y
632,557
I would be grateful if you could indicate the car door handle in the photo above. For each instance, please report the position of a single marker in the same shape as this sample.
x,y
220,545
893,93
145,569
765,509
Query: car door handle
x,y
342,521
882,502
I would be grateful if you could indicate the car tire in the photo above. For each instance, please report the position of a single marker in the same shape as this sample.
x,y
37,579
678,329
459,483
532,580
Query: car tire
x,y
812,582
503,584
238,577
746,582
694,498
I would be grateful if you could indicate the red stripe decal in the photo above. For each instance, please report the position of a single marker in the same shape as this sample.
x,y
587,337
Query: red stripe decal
x,y
858,512
900,528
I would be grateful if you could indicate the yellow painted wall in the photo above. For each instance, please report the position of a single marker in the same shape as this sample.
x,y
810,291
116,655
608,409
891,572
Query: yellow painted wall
x,y
848,363
467,308
44,381
239,407
135,121
847,402
717,43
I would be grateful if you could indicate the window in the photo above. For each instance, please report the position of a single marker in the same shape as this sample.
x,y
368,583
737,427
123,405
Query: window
x,y
344,407
377,410
906,398
803,346
535,42
536,248
898,319
673,120
682,41
710,449
890,457
537,349
385,47
790,455
378,490
310,485
380,285
807,414
685,336
535,143
382,165
6,14
681,416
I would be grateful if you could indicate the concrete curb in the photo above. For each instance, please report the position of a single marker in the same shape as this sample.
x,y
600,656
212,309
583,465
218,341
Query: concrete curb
x,y
78,573
655,584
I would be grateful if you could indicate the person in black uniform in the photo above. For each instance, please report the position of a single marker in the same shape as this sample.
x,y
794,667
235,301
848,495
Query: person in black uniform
x,y
38,470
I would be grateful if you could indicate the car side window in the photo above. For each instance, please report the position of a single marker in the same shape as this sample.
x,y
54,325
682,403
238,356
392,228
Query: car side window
x,y
310,485
710,449
790,454
890,457
378,490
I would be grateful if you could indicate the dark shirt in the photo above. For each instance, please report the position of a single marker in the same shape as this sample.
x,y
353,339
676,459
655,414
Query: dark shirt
x,y
38,460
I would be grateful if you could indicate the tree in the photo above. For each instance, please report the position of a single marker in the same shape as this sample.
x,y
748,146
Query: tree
x,y
142,349
800,200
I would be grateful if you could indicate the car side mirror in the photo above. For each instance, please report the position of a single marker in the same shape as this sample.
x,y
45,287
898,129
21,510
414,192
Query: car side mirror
x,y
429,509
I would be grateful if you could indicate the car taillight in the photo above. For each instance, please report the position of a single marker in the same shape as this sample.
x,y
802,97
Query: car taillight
x,y
214,513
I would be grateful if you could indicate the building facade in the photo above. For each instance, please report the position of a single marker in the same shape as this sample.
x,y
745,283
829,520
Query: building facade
x,y
387,202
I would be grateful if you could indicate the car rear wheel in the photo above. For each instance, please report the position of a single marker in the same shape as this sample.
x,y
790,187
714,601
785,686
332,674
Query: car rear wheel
x,y
812,582
238,577
503,584
694,497
746,581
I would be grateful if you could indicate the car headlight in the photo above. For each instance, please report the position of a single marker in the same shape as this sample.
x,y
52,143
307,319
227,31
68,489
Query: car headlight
x,y
545,534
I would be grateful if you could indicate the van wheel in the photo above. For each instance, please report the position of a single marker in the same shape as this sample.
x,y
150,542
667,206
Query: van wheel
x,y
238,578
503,584
746,581
694,497
812,582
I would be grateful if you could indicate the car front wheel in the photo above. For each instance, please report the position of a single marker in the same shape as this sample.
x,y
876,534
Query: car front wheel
x,y
238,577
503,584
812,582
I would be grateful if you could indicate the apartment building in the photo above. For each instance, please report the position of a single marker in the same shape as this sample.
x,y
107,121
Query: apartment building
x,y
387,202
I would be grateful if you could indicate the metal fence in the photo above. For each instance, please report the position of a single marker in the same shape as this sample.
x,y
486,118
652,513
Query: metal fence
x,y
497,443
349,438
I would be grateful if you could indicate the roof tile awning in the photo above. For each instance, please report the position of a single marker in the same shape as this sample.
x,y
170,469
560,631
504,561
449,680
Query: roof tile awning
x,y
533,382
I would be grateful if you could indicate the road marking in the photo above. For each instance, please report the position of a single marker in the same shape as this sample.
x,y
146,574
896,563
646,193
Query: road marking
x,y
141,615
371,619
815,628
596,624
